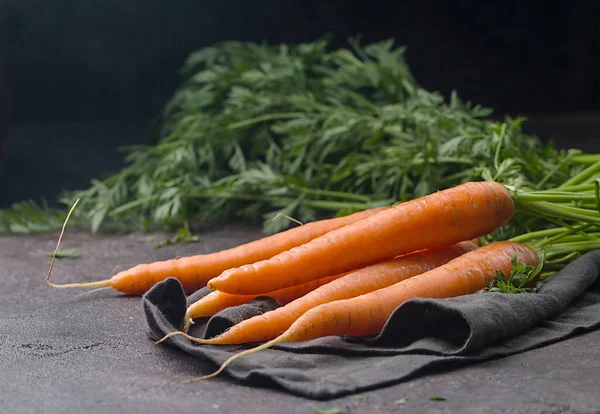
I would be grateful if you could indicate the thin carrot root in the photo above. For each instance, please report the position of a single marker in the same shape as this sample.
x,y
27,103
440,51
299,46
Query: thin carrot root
x,y
287,217
99,284
184,334
188,322
247,352
92,291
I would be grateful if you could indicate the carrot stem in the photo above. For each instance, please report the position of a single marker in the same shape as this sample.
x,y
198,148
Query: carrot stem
x,y
586,158
320,204
336,194
549,236
582,176
553,171
548,210
263,118
570,188
556,197
564,249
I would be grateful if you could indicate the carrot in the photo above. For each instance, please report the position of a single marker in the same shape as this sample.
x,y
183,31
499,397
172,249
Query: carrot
x,y
267,326
366,314
440,219
194,271
216,301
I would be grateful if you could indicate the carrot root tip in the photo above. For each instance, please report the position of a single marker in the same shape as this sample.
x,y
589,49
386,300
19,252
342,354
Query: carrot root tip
x,y
187,323
99,284
232,358
186,335
167,336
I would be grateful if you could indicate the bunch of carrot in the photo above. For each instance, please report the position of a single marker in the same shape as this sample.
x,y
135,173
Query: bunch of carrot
x,y
347,275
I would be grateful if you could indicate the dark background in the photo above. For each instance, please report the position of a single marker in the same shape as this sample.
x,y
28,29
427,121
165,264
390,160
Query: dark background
x,y
80,78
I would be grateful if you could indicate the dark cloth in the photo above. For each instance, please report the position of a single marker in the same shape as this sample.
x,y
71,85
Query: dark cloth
x,y
421,336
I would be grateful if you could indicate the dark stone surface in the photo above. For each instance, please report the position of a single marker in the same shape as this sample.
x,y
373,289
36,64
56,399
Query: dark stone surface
x,y
62,351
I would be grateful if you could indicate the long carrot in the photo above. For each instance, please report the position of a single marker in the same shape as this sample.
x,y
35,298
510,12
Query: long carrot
x,y
216,301
194,271
367,314
267,326
440,219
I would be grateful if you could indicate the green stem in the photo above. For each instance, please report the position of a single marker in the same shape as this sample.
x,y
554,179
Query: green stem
x,y
321,204
132,204
497,152
582,176
337,194
568,248
555,197
553,171
550,272
562,259
549,210
586,158
579,236
440,160
263,118
554,234
570,188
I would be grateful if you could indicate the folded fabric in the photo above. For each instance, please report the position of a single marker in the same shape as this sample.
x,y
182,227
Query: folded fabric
x,y
422,335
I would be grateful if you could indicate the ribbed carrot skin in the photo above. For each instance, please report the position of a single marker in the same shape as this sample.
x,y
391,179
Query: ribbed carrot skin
x,y
443,218
217,301
367,314
194,271
270,324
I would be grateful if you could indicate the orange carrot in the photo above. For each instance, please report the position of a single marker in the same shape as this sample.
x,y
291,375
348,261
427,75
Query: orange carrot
x,y
194,271
367,314
267,326
440,219
216,301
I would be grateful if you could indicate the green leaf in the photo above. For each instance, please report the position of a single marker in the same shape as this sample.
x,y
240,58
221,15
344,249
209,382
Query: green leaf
x,y
183,235
98,218
518,281
437,398
401,401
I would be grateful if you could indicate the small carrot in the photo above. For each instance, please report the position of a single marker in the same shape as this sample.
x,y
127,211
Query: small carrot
x,y
440,219
267,326
194,271
216,301
367,314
